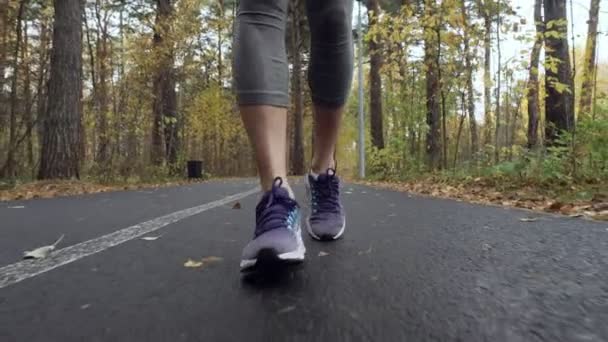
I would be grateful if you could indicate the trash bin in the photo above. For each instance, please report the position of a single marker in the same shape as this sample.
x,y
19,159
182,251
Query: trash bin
x,y
195,169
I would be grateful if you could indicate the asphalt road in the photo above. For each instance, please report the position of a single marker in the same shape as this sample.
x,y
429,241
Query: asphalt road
x,y
408,269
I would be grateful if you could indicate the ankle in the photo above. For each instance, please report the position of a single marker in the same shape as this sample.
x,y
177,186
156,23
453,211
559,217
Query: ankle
x,y
267,186
322,167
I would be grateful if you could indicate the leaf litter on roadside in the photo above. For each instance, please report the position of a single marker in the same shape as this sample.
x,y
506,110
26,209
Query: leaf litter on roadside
x,y
42,252
489,191
237,205
191,263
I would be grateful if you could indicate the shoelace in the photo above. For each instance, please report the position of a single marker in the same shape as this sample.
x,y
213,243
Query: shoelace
x,y
275,209
325,191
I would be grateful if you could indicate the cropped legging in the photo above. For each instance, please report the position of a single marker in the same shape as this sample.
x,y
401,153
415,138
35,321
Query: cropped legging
x,y
261,71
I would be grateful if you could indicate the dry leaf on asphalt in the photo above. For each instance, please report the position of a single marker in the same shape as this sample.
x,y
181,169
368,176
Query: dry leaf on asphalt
x,y
193,264
237,205
322,254
151,238
202,263
528,219
368,251
41,252
287,309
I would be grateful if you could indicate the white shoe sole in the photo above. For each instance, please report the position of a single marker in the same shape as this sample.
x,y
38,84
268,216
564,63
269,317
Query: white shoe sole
x,y
293,256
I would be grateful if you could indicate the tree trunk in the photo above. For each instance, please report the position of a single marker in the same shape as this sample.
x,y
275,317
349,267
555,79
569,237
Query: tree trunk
x,y
42,86
27,98
9,168
559,103
498,88
533,86
487,70
433,136
444,128
103,148
469,76
375,61
460,125
60,154
584,109
4,47
297,155
165,99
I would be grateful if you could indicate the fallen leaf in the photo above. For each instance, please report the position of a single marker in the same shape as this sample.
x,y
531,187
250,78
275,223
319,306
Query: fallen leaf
x,y
41,252
602,215
151,238
287,309
201,263
600,206
17,207
528,219
555,206
322,254
237,205
368,251
211,259
566,209
193,264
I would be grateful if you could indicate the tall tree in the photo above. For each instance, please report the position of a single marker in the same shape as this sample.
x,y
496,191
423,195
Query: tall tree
x,y
485,11
433,136
469,69
533,86
4,47
8,170
102,99
589,66
165,98
559,103
60,153
375,65
498,83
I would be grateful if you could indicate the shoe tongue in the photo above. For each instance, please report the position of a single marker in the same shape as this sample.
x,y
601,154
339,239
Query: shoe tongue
x,y
324,177
281,192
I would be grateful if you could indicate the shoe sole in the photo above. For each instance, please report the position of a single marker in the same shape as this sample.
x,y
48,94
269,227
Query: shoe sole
x,y
326,237
269,258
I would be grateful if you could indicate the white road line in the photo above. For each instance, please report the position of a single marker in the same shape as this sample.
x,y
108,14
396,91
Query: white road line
x,y
25,269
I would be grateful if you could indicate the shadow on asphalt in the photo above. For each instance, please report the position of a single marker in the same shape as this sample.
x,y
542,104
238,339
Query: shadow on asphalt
x,y
277,276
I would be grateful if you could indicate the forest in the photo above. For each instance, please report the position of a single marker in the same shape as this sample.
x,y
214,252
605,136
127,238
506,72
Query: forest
x,y
129,90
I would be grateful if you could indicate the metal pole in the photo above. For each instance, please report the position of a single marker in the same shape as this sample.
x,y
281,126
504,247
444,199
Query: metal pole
x,y
361,114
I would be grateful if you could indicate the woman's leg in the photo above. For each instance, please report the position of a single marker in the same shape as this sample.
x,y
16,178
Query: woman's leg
x,y
261,76
330,73
262,81
266,127
330,76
